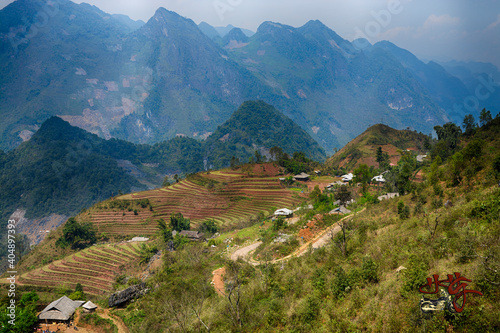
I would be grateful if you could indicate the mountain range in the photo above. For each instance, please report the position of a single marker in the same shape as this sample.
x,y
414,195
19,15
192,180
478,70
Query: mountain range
x,y
63,169
148,82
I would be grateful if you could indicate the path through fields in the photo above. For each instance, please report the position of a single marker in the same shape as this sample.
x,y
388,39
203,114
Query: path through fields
x,y
317,242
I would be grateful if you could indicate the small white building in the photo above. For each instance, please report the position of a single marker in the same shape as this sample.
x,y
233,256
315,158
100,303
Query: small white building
x,y
379,178
420,158
348,177
283,212
89,307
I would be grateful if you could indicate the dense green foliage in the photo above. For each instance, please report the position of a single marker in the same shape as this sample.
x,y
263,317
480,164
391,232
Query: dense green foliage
x,y
258,125
208,227
104,325
179,223
25,313
77,235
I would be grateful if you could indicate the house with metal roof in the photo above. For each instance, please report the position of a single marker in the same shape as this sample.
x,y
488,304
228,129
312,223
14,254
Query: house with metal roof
x,y
348,177
340,210
60,310
283,212
302,177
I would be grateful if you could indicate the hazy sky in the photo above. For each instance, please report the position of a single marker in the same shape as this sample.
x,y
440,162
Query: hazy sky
x,y
431,29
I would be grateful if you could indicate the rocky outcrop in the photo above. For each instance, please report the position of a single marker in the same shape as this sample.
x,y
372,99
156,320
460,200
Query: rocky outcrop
x,y
127,295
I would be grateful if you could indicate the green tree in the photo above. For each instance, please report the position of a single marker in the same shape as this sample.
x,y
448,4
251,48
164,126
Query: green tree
x,y
165,232
450,133
369,270
77,235
485,117
363,175
469,124
166,182
406,165
179,223
25,315
434,174
278,223
343,195
234,162
209,227
382,159
340,285
276,153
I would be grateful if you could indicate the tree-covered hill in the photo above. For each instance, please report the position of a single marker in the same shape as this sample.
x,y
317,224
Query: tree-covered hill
x,y
257,125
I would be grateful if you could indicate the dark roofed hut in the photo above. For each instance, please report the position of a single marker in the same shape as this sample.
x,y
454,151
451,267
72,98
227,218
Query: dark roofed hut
x,y
192,235
60,310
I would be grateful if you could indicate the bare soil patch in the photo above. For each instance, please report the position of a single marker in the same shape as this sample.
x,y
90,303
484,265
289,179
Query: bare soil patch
x,y
218,280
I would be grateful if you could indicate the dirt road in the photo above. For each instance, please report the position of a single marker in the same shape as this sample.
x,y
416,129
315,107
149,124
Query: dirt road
x,y
244,251
318,241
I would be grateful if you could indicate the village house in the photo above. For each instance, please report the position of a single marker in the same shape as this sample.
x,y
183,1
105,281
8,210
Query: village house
x,y
388,196
283,212
302,177
340,210
59,311
348,177
89,307
192,235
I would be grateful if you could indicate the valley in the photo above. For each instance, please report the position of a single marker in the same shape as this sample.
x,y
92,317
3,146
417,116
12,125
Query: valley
x,y
164,175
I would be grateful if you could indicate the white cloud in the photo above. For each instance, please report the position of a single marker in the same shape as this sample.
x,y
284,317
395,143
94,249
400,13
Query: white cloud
x,y
494,24
435,21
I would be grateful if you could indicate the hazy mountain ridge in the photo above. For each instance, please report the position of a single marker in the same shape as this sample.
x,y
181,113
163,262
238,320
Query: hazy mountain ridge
x,y
150,82
41,174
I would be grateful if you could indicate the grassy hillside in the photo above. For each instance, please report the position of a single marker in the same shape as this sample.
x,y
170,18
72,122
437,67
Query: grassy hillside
x,y
362,150
445,224
392,247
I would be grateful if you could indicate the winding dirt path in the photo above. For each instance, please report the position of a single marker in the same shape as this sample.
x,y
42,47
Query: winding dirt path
x,y
244,251
117,321
320,240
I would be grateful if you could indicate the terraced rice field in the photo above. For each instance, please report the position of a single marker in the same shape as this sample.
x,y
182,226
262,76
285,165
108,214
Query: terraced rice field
x,y
95,268
234,197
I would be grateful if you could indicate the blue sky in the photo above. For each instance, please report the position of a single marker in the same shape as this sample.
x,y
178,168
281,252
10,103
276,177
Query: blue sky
x,y
431,29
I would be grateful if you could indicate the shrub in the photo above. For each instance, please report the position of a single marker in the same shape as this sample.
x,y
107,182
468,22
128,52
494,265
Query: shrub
x,y
369,270
340,285
415,275
403,211
437,203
